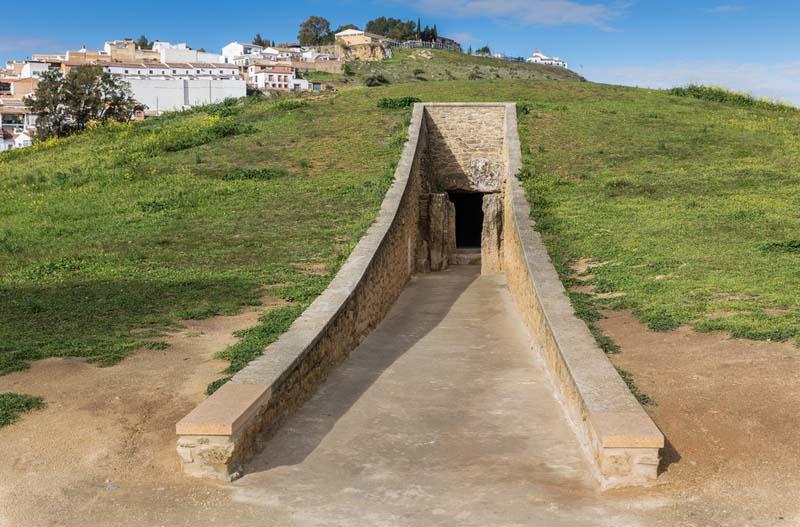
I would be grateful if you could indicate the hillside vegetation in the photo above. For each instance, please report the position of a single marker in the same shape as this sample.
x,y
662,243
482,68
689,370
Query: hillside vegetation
x,y
424,65
688,207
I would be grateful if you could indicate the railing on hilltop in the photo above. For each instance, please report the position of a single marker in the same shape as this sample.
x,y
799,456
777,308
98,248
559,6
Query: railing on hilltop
x,y
409,44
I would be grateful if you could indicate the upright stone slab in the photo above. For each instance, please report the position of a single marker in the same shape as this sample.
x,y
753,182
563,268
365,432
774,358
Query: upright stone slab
x,y
492,235
452,245
438,231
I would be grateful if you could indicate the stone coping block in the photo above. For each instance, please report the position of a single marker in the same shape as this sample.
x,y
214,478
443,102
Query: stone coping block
x,y
226,412
621,440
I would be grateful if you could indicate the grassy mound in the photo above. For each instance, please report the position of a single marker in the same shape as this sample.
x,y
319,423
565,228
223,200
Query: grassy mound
x,y
687,206
109,237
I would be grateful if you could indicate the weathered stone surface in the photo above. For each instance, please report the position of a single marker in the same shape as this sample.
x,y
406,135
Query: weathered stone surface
x,y
466,147
492,235
439,208
486,175
451,232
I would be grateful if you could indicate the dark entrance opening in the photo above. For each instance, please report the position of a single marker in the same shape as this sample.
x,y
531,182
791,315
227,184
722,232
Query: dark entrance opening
x,y
469,218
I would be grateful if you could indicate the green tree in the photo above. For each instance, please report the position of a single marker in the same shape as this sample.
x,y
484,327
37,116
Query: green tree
x,y
315,31
258,40
87,94
48,103
393,28
485,50
143,43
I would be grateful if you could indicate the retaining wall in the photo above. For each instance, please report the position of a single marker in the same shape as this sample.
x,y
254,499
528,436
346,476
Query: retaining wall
x,y
621,441
219,436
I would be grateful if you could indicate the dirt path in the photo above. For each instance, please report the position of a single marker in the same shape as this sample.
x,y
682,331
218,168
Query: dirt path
x,y
730,409
106,442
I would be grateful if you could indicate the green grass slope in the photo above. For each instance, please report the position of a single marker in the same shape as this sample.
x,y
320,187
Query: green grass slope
x,y
423,65
108,238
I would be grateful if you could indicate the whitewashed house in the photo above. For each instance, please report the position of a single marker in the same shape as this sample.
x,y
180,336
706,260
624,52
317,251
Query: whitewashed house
x,y
164,87
276,77
22,140
540,58
6,140
241,54
183,53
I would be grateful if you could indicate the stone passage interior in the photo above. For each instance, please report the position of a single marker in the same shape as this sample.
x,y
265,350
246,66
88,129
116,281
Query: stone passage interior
x,y
469,218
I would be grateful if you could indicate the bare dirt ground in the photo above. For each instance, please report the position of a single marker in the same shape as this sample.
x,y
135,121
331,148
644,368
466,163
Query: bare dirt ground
x,y
103,451
730,409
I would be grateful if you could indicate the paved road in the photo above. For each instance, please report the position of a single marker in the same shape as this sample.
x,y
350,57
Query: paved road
x,y
443,416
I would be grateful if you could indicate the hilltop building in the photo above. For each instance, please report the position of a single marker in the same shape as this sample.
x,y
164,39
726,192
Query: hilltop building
x,y
537,57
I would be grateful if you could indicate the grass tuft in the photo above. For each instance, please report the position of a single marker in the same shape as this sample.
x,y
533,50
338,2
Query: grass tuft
x,y
13,405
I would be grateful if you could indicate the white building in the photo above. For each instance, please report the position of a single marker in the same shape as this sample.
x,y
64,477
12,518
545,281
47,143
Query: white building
x,y
6,140
183,53
236,50
540,58
163,87
22,140
276,77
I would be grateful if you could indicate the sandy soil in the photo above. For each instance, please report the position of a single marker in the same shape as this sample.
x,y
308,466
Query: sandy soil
x,y
103,452
730,409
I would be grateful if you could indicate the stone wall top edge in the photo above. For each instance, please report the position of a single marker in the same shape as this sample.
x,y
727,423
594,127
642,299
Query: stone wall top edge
x,y
600,388
349,277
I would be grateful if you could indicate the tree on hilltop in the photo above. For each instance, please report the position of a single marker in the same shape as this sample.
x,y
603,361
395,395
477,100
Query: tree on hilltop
x,y
258,40
315,31
143,43
393,28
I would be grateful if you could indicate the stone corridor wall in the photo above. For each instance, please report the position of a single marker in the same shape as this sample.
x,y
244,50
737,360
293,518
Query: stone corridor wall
x,y
467,147
223,433
621,441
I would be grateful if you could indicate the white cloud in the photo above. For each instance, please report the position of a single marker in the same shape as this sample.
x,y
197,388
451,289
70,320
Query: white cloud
x,y
529,12
462,37
778,81
725,8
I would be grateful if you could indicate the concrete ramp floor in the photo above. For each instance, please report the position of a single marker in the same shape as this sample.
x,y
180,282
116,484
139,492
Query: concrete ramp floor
x,y
442,416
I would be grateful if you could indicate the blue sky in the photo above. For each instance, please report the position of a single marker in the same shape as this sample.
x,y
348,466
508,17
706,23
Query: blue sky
x,y
745,45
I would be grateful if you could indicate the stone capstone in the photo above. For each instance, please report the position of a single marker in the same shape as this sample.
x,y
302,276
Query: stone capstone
x,y
486,175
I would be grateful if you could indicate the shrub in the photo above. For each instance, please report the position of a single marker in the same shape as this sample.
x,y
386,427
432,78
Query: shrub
x,y
262,174
291,104
790,246
397,102
376,80
721,95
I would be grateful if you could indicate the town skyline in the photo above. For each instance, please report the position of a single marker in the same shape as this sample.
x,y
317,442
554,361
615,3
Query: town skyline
x,y
636,43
